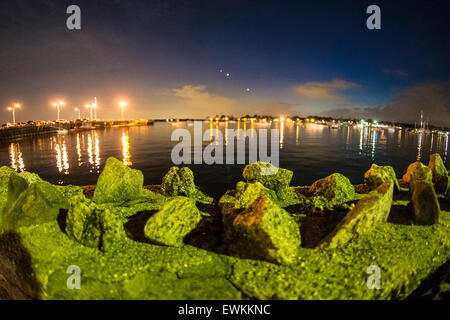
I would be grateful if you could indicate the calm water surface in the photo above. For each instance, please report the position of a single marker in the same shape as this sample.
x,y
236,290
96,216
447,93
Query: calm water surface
x,y
310,150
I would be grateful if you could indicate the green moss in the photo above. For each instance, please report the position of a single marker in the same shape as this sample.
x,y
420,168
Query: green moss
x,y
118,183
376,175
125,269
39,203
30,177
271,177
180,182
265,231
371,211
336,188
145,271
249,192
5,173
173,222
440,174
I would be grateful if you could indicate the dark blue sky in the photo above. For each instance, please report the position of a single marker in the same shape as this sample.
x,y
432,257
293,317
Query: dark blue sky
x,y
165,57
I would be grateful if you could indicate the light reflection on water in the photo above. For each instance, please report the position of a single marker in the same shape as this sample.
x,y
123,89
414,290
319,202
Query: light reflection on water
x,y
311,151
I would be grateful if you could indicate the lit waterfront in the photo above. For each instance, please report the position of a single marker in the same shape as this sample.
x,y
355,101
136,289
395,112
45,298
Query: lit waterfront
x,y
310,150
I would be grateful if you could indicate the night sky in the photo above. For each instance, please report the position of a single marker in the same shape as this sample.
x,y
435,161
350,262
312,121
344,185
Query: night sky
x,y
171,58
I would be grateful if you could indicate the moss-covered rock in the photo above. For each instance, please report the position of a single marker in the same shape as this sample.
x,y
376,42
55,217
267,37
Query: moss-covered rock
x,y
15,186
369,212
173,222
118,183
420,173
425,204
336,188
376,175
38,204
440,174
424,201
93,225
83,222
414,167
265,231
5,173
180,182
30,177
246,193
271,177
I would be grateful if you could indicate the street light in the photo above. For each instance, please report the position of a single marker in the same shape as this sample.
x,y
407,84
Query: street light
x,y
79,113
90,107
122,106
13,110
58,105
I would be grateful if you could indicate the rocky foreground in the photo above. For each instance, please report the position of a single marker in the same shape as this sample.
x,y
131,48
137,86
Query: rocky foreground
x,y
263,240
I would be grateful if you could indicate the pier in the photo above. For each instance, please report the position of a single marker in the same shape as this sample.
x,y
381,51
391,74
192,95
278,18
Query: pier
x,y
37,129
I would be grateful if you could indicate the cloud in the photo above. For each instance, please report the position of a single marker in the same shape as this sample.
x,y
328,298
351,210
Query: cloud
x,y
325,90
196,101
433,98
398,73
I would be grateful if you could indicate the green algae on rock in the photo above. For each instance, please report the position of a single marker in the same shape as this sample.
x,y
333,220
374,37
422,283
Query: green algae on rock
x,y
440,174
369,212
180,182
39,203
417,168
118,183
173,222
336,188
376,175
424,200
265,231
93,225
246,193
83,222
30,177
5,173
276,179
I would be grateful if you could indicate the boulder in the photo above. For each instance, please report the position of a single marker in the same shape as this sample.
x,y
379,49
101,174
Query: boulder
x,y
377,175
246,193
440,174
39,203
421,173
271,177
369,212
83,222
173,222
180,182
30,177
336,188
5,173
265,231
424,201
92,225
118,183
417,167
15,186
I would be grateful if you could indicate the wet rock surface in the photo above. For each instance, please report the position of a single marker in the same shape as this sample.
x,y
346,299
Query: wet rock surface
x,y
264,231
440,173
118,183
372,210
336,188
377,175
173,222
252,243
